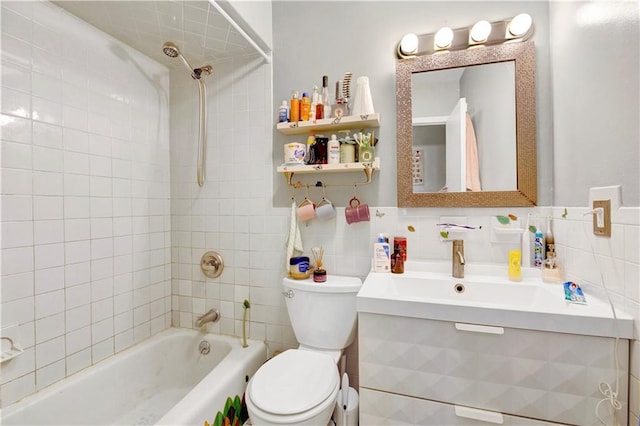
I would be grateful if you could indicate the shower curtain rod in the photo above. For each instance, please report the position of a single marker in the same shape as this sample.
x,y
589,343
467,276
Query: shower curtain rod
x,y
235,25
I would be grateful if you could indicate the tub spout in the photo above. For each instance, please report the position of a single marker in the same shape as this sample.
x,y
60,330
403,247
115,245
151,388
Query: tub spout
x,y
212,315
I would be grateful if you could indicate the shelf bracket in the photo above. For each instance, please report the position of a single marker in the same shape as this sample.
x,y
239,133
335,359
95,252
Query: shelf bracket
x,y
368,172
288,176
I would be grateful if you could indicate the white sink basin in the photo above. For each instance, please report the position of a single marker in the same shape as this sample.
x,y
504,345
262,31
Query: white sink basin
x,y
485,296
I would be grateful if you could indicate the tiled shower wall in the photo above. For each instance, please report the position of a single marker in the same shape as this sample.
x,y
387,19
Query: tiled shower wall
x,y
85,195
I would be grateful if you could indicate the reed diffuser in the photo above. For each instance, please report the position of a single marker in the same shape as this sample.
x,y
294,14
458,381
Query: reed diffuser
x,y
319,274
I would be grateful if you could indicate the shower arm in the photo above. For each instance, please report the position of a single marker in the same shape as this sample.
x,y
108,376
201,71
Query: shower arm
x,y
202,132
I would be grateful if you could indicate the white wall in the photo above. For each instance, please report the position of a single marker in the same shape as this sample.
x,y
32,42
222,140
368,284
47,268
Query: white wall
x,y
85,195
595,52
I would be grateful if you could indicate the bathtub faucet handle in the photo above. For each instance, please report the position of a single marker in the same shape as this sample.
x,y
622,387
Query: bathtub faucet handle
x,y
212,315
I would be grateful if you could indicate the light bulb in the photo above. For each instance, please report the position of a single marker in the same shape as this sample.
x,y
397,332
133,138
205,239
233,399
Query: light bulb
x,y
409,44
443,37
520,24
480,31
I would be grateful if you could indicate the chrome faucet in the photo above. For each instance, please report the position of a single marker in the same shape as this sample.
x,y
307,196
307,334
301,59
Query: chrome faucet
x,y
212,315
457,259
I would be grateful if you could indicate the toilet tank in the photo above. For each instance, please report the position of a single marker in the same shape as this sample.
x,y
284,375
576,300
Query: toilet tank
x,y
323,315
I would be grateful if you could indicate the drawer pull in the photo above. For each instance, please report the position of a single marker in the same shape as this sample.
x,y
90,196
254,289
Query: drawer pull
x,y
479,328
481,415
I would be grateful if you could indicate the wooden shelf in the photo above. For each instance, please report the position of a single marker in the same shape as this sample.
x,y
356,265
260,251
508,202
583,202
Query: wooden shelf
x,y
355,122
328,168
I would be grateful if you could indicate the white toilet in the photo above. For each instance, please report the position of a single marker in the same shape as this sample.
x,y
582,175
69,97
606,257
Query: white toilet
x,y
299,386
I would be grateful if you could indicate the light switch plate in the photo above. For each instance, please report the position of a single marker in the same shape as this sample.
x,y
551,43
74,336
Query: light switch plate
x,y
603,229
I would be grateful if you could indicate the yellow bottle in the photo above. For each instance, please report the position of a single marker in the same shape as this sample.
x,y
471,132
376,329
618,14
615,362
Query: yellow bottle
x,y
305,107
515,272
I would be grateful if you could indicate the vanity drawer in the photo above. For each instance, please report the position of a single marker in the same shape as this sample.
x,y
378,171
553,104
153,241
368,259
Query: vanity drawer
x,y
381,408
542,375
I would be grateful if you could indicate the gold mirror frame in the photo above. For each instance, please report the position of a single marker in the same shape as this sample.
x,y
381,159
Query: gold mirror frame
x,y
526,194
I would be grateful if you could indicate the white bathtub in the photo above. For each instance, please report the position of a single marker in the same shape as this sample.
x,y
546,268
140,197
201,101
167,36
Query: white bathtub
x,y
163,380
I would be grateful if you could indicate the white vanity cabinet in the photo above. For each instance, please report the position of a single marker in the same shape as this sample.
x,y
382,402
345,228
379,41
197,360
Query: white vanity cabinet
x,y
431,372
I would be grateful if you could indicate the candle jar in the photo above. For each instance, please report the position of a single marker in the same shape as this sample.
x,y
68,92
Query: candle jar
x,y
366,154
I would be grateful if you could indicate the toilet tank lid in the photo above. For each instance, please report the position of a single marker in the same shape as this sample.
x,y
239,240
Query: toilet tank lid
x,y
334,284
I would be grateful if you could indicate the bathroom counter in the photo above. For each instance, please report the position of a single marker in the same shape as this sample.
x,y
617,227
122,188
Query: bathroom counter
x,y
427,291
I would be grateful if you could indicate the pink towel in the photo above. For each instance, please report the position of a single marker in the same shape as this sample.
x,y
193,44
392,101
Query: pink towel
x,y
473,169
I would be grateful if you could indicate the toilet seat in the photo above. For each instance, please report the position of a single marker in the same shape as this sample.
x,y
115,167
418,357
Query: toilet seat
x,y
294,382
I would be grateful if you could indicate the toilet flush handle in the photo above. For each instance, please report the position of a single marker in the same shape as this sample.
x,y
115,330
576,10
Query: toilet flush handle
x,y
288,294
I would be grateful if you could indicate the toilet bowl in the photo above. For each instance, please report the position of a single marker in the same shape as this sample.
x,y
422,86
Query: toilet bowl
x,y
297,387
300,386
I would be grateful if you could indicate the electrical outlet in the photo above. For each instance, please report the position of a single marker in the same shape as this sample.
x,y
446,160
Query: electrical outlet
x,y
602,218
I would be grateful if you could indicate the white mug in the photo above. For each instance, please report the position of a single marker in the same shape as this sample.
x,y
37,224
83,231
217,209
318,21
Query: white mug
x,y
325,210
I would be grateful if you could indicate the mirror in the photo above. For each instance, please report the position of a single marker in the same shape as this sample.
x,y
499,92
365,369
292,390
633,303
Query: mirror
x,y
466,128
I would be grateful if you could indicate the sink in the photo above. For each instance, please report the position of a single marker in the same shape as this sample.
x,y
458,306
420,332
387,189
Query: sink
x,y
485,296
464,291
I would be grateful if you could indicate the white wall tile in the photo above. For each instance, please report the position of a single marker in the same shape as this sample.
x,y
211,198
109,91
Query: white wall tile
x,y
48,183
50,327
49,352
47,280
17,260
17,234
16,286
47,304
16,155
78,361
45,207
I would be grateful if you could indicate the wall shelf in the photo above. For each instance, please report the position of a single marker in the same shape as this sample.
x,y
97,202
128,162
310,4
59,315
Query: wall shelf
x,y
334,124
367,168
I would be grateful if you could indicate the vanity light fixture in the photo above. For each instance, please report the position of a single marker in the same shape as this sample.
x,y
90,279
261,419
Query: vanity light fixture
x,y
519,25
483,33
479,32
443,38
408,46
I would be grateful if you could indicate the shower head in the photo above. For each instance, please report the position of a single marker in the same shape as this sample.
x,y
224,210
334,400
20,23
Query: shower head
x,y
170,49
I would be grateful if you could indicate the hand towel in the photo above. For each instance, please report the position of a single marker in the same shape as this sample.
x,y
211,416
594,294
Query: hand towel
x,y
472,166
294,240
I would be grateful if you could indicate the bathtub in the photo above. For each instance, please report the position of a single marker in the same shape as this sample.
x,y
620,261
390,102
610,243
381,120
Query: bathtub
x,y
162,380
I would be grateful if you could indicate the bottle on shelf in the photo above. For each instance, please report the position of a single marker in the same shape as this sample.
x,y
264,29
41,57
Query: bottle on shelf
x,y
333,149
326,99
305,107
283,112
294,107
315,100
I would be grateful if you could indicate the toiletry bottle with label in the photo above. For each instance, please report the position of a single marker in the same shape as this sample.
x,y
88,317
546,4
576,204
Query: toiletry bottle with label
x,y
538,249
305,107
381,256
283,112
514,269
334,150
326,100
549,240
397,260
294,107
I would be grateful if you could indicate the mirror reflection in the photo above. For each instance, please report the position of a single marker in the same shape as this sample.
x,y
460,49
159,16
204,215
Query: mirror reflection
x,y
464,121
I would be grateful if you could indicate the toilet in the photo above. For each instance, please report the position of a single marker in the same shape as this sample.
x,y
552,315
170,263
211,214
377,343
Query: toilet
x,y
300,386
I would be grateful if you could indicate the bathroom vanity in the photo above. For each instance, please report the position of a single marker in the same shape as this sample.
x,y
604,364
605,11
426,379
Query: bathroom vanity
x,y
440,350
